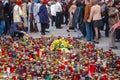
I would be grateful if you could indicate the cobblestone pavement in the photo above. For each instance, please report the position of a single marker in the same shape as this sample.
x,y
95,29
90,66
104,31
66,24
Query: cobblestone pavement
x,y
103,42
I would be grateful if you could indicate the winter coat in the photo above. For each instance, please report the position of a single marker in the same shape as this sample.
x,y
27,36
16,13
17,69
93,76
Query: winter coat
x,y
17,13
43,14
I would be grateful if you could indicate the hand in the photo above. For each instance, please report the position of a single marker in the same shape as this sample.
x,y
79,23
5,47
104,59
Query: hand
x,y
23,32
116,11
115,26
88,20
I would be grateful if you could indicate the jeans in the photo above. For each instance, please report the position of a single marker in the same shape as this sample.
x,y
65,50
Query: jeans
x,y
2,26
89,31
79,33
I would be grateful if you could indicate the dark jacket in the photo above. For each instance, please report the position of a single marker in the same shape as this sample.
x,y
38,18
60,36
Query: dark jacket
x,y
1,11
7,9
43,14
78,16
14,29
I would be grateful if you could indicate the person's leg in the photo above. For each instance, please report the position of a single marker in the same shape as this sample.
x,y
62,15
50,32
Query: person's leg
x,y
35,27
69,23
112,39
42,28
66,18
54,17
6,25
96,34
91,32
25,23
87,26
56,20
102,27
52,20
2,26
79,33
107,29
31,23
60,19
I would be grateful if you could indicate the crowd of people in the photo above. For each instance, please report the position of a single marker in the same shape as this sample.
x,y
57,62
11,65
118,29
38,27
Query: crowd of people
x,y
87,17
28,58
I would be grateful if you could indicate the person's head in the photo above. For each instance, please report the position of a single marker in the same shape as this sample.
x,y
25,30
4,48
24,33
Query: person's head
x,y
94,2
87,1
43,2
19,2
78,3
58,0
53,2
32,1
74,2
20,25
82,1
116,4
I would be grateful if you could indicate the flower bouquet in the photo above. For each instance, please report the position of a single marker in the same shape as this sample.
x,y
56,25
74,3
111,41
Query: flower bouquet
x,y
60,44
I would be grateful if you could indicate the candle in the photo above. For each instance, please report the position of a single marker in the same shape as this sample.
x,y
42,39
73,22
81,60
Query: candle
x,y
0,52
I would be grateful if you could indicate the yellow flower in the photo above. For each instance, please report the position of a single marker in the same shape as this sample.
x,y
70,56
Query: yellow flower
x,y
59,44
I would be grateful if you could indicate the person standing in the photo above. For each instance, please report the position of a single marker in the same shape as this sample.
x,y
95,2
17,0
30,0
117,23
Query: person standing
x,y
65,11
24,10
12,4
33,24
53,12
88,26
78,17
71,13
58,19
113,13
105,18
95,16
2,22
7,16
43,17
17,12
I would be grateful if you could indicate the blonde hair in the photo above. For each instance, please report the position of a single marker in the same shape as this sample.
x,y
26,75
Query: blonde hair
x,y
74,2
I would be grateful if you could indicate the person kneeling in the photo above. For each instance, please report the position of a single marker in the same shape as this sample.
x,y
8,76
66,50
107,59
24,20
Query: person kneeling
x,y
17,30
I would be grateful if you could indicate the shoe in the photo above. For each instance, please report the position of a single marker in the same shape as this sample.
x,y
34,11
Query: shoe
x,y
58,27
68,30
80,38
117,40
42,33
74,30
95,42
115,47
47,31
